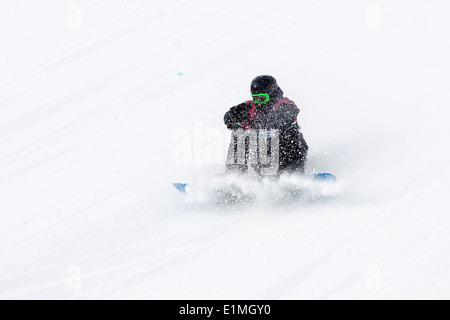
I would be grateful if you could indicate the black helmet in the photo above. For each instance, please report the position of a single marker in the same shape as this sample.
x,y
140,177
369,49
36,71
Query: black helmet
x,y
264,84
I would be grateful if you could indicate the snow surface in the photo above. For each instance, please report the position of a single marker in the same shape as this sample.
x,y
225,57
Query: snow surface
x,y
103,104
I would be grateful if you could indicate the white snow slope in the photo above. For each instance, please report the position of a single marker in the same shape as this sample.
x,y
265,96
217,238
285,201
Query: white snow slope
x,y
97,99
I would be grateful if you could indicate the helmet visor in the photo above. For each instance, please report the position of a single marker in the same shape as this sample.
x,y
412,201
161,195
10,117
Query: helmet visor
x,y
260,98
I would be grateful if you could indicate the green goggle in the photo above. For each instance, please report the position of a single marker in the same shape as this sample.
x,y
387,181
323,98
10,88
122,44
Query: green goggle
x,y
260,98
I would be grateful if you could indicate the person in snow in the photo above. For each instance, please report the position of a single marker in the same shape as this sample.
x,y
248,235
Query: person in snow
x,y
270,110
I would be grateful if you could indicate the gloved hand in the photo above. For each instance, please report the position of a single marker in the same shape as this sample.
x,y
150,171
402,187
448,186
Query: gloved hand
x,y
238,116
242,110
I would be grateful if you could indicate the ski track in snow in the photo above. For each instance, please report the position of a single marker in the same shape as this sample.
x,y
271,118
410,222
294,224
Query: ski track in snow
x,y
87,122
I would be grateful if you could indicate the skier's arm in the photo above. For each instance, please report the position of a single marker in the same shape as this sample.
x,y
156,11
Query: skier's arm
x,y
282,117
238,116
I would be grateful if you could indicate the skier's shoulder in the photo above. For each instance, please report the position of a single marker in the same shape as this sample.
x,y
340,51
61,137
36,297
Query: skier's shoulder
x,y
286,103
286,100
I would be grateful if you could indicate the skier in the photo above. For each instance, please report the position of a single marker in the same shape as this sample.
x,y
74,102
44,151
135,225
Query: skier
x,y
269,109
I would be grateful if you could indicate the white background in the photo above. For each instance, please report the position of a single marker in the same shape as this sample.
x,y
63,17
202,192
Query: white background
x,y
92,94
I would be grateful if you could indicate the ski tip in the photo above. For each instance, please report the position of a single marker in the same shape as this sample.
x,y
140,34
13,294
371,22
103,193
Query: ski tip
x,y
180,187
324,177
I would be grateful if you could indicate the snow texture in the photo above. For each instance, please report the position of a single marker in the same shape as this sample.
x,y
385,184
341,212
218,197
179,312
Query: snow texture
x,y
104,104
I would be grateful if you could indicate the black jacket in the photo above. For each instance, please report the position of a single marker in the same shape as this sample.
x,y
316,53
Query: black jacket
x,y
278,113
